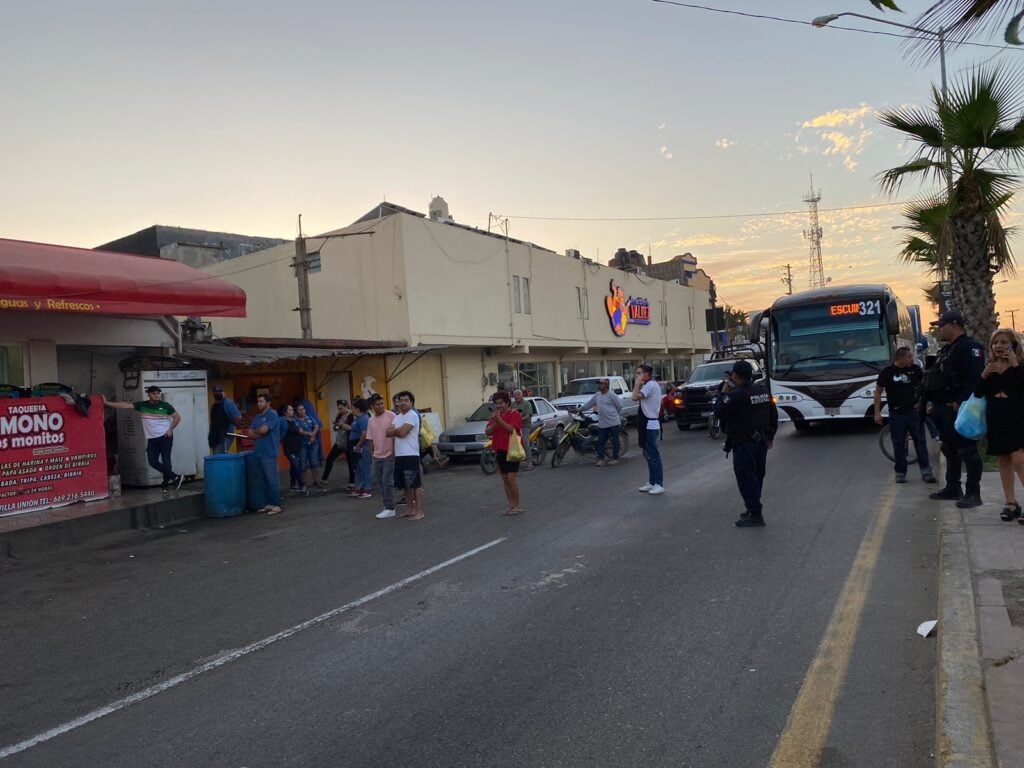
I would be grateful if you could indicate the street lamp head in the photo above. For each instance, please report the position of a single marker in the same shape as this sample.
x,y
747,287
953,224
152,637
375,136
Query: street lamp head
x,y
822,21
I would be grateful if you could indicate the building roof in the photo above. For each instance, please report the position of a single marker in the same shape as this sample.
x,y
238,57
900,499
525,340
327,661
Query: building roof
x,y
39,277
152,240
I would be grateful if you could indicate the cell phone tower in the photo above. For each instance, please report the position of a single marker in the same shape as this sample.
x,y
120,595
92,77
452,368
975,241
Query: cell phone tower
x,y
815,268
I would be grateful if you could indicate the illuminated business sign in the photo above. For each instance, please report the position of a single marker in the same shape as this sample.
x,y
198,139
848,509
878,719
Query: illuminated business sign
x,y
623,311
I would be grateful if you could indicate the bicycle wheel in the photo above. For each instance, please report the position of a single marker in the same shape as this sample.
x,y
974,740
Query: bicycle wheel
x,y
538,451
560,450
714,428
885,443
489,462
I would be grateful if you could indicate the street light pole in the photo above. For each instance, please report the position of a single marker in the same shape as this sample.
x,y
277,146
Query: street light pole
x,y
940,34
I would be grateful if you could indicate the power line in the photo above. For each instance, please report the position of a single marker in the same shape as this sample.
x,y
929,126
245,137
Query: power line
x,y
780,19
698,218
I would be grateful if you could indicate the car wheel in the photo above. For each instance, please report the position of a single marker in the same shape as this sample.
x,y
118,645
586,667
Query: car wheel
x,y
682,426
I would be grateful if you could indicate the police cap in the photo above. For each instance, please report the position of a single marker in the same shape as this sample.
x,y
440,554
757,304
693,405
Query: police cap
x,y
951,317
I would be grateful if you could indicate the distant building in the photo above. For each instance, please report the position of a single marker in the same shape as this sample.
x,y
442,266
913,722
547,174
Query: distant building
x,y
682,269
193,247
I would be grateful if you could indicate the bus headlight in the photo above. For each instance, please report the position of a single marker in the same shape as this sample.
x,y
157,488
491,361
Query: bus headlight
x,y
787,398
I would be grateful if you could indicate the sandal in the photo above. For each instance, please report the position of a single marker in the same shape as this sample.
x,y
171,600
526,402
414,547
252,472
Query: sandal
x,y
513,512
1010,512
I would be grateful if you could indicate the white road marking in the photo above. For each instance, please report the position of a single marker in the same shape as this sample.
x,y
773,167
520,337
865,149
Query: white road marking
x,y
230,656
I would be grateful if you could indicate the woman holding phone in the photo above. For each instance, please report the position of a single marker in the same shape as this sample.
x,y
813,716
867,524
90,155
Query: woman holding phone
x,y
1002,385
505,422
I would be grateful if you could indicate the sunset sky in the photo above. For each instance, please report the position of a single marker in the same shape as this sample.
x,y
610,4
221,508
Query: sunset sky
x,y
592,124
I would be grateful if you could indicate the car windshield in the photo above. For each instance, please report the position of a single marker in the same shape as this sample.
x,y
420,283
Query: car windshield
x,y
483,413
714,372
580,387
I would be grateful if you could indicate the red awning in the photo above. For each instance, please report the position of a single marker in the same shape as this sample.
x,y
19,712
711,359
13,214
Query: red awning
x,y
37,277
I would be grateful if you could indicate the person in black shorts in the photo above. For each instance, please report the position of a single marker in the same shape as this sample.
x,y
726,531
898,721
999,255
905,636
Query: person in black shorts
x,y
405,429
1002,386
902,384
505,422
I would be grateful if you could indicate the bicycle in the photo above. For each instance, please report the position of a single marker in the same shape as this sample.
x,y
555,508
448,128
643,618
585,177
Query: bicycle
x,y
885,443
714,427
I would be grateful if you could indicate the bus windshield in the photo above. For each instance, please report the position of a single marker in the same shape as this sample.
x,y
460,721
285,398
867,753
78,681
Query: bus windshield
x,y
829,341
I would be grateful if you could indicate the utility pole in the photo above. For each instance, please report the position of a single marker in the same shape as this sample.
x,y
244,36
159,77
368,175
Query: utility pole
x,y
1013,318
788,279
713,297
301,265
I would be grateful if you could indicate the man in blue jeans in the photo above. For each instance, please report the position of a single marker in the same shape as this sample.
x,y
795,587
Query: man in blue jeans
x,y
902,383
609,420
647,392
264,430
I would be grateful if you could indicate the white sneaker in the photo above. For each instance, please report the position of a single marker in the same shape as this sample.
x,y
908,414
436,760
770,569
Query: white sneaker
x,y
384,514
646,488
655,490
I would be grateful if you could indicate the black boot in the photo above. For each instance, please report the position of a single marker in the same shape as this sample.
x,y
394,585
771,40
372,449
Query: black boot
x,y
949,493
970,500
749,521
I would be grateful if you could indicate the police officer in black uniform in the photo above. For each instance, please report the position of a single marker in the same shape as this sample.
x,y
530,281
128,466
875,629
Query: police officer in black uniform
x,y
750,419
947,385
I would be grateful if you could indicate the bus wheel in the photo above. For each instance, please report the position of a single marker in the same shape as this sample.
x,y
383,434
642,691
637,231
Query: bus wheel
x,y
800,425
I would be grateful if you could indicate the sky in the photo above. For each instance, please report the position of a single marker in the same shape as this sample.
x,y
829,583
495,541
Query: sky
x,y
590,124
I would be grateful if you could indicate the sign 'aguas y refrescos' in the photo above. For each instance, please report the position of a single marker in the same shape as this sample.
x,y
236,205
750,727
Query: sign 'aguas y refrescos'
x,y
623,311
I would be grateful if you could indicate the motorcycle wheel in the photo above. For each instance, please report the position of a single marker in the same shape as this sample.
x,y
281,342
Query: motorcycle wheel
x,y
714,428
538,452
623,444
489,462
560,450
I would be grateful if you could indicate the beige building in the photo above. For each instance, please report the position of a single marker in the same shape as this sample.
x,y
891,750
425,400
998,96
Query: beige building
x,y
503,310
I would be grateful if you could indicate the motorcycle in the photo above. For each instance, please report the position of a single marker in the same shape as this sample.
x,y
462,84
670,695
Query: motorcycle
x,y
581,436
538,450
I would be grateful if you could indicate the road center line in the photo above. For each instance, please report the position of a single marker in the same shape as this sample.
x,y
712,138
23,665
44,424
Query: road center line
x,y
235,655
810,720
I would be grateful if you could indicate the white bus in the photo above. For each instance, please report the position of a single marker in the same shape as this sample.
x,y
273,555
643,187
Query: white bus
x,y
824,349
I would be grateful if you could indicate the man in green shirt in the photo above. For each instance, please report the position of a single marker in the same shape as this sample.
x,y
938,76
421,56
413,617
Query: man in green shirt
x,y
158,422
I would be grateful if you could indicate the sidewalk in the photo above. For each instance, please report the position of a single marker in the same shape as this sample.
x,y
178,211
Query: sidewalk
x,y
980,693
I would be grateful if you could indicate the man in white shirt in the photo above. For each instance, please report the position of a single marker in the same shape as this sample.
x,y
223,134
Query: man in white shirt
x,y
648,393
405,429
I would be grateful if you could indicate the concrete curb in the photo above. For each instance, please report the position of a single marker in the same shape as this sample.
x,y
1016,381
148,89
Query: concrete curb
x,y
962,717
153,515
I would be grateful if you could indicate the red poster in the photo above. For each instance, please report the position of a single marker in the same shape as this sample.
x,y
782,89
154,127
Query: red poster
x,y
50,454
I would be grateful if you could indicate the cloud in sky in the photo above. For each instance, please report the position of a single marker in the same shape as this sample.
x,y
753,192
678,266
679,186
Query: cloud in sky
x,y
725,143
664,152
841,133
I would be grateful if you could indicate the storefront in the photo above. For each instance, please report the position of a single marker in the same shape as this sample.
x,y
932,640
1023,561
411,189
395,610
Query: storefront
x,y
71,317
507,311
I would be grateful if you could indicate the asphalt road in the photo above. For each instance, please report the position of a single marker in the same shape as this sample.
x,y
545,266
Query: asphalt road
x,y
601,628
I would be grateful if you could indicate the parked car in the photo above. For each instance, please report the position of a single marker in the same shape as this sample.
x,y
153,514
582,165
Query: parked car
x,y
578,391
695,400
469,439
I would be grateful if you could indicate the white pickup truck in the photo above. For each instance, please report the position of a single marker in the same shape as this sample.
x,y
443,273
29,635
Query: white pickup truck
x,y
579,391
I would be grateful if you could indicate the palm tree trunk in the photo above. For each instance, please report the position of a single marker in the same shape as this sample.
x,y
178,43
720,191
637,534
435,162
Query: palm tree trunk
x,y
972,277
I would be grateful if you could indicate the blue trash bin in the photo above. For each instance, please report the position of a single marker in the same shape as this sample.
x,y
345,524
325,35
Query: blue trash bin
x,y
224,484
257,492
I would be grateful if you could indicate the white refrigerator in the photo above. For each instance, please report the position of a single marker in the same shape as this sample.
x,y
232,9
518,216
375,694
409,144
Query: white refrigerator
x,y
186,391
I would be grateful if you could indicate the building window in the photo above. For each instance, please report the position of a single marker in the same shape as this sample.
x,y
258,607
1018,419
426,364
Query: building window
x,y
533,378
526,295
516,305
582,307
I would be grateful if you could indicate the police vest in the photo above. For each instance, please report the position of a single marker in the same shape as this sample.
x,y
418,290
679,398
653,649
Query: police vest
x,y
754,413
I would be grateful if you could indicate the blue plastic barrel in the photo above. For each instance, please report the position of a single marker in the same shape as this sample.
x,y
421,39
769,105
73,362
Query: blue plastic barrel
x,y
257,491
224,482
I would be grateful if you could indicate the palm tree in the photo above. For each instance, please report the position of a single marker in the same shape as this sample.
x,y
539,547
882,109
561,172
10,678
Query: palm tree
x,y
927,225
982,124
962,19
